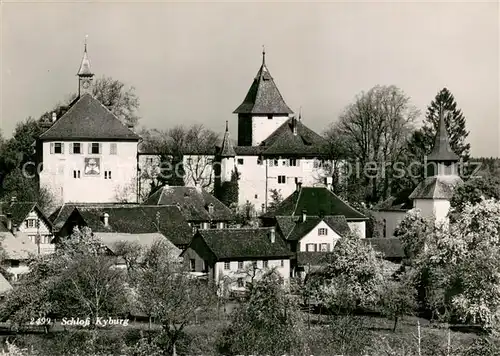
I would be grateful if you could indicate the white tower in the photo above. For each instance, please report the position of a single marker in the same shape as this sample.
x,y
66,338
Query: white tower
x,y
227,157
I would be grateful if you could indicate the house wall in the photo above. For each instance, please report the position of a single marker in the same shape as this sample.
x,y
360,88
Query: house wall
x,y
34,225
230,277
392,221
358,227
58,173
313,237
22,268
437,208
263,126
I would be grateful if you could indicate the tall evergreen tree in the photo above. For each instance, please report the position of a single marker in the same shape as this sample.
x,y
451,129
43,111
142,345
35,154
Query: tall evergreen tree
x,y
455,123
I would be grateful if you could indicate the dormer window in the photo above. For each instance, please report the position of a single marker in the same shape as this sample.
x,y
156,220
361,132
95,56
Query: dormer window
x,y
210,208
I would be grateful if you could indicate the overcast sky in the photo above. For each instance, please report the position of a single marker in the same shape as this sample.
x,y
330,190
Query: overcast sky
x,y
194,62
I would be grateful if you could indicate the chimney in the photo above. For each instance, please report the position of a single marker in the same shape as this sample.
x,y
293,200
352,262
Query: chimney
x,y
13,200
14,228
294,126
298,183
329,183
304,215
131,127
54,117
105,219
9,222
272,234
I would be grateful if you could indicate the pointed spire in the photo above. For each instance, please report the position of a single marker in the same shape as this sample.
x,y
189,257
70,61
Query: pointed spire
x,y
442,152
85,65
263,97
227,149
300,113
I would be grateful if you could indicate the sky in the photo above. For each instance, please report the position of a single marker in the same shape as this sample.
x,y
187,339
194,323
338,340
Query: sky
x,y
192,63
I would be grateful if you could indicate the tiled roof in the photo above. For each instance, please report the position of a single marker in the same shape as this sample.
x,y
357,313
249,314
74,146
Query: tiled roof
x,y
294,229
243,243
112,239
88,119
316,201
263,97
249,150
441,151
285,141
5,286
193,202
59,217
436,187
17,247
19,212
389,247
312,258
136,219
400,202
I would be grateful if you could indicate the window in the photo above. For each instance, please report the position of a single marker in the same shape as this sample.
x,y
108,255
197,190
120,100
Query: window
x,y
240,161
95,148
318,163
112,149
254,264
240,264
32,238
259,160
30,223
205,266
311,247
210,208
46,239
282,263
275,162
77,148
192,265
189,160
384,226
107,174
269,117
256,196
293,162
227,265
322,231
281,179
58,148
240,283
265,263
76,174
324,247
14,263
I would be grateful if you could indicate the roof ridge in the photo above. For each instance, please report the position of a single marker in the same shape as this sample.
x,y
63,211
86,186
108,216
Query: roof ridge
x,y
114,116
58,121
299,192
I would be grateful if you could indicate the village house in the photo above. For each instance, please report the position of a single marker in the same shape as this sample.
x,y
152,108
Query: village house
x,y
235,257
132,219
88,154
200,208
18,250
27,220
433,195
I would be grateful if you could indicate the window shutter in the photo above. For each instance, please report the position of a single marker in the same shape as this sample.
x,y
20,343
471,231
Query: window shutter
x,y
90,147
52,148
71,148
315,247
100,148
62,147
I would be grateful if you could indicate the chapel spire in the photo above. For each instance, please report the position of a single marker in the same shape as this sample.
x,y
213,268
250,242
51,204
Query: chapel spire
x,y
85,75
227,149
442,152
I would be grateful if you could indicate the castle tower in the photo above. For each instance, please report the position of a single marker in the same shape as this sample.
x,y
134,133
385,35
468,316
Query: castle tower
x,y
85,75
227,157
263,110
432,196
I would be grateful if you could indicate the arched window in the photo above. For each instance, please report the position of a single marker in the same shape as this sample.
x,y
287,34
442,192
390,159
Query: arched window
x,y
384,227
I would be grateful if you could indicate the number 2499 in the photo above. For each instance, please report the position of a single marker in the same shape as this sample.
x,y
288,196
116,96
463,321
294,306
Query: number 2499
x,y
40,321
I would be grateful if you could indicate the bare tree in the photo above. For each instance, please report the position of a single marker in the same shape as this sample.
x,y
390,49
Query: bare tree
x,y
376,127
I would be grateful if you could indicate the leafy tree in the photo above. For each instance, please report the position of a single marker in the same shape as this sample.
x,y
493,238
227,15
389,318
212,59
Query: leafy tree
x,y
228,192
413,231
376,126
166,292
266,323
473,191
352,273
276,199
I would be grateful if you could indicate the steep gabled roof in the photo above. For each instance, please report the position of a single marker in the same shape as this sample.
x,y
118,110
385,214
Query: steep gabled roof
x,y
293,137
193,202
19,212
243,243
316,201
294,229
436,187
88,119
263,97
398,202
